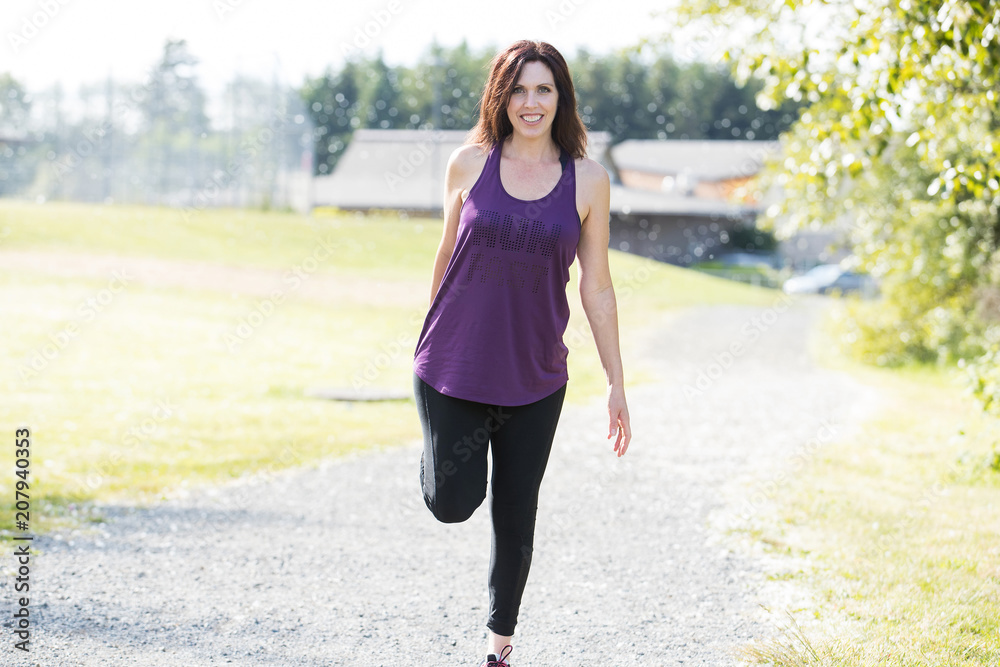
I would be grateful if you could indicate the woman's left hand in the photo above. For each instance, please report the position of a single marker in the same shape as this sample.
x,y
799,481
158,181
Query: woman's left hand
x,y
618,412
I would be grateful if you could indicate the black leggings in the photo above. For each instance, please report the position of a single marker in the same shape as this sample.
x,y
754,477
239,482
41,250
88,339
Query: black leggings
x,y
453,475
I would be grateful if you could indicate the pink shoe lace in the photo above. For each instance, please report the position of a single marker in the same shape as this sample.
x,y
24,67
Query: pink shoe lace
x,y
502,662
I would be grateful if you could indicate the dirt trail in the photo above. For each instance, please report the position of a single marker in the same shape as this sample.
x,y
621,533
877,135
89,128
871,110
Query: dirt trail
x,y
152,272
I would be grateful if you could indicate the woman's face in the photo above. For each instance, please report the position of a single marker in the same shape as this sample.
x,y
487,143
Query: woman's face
x,y
533,102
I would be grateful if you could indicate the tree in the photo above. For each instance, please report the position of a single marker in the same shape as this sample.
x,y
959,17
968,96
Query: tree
x,y
612,94
660,99
463,85
379,95
172,94
446,86
15,110
629,97
441,90
333,101
902,131
15,106
173,109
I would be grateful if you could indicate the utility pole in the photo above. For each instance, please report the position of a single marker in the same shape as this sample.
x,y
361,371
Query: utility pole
x,y
436,85
58,139
277,138
107,155
435,162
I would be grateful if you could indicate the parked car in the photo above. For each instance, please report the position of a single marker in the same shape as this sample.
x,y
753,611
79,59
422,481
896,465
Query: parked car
x,y
830,279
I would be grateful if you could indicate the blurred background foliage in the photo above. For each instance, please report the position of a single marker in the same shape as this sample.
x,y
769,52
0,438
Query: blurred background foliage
x,y
899,131
155,141
165,140
628,95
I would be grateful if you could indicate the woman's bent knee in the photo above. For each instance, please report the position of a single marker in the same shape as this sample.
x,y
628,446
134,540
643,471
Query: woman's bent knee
x,y
450,510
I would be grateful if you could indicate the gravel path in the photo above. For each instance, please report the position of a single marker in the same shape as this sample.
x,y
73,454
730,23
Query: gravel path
x,y
341,564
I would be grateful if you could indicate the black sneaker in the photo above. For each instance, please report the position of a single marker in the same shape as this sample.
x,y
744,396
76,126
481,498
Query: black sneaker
x,y
494,660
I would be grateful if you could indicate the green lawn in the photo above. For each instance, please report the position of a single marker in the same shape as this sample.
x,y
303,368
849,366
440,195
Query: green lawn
x,y
900,527
230,236
134,391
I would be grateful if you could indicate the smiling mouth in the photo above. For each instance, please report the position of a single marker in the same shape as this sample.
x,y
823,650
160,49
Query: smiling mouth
x,y
532,119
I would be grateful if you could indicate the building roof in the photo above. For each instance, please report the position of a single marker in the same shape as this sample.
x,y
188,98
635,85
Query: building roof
x,y
635,201
698,160
403,169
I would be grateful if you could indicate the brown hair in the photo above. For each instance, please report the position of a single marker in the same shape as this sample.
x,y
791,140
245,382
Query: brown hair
x,y
494,126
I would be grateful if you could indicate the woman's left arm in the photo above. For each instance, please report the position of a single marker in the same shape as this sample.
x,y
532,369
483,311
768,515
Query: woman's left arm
x,y
598,296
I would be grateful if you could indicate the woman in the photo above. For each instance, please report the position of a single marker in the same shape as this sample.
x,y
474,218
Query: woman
x,y
489,369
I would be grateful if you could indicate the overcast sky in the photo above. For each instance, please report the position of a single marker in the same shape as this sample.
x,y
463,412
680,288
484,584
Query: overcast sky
x,y
77,41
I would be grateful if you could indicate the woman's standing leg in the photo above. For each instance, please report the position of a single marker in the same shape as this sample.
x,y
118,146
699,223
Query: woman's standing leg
x,y
521,446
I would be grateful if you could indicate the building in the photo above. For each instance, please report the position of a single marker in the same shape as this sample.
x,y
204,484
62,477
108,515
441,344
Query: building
x,y
674,201
679,201
401,170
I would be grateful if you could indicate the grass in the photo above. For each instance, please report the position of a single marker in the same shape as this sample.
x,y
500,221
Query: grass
x,y
149,397
756,275
135,394
238,237
146,398
900,525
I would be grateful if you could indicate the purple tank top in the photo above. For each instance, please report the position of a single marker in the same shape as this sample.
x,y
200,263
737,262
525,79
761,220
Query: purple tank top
x,y
493,333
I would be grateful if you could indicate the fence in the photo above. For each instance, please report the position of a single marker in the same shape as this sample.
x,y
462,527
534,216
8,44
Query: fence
x,y
106,143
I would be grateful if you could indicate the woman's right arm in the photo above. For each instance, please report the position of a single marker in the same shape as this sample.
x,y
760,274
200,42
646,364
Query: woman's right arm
x,y
455,184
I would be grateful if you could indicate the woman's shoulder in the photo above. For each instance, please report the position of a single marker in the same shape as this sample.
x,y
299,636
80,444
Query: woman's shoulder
x,y
467,156
464,166
591,172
